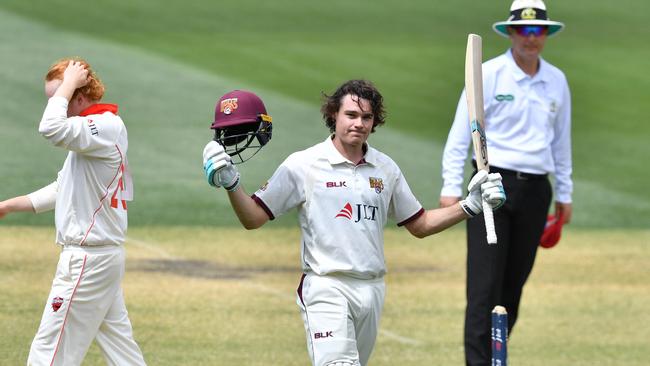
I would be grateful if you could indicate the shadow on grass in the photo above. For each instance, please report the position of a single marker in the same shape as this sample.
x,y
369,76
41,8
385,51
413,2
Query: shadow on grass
x,y
212,270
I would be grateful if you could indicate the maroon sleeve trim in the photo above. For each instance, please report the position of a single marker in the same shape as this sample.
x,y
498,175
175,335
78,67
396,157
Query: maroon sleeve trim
x,y
263,206
415,216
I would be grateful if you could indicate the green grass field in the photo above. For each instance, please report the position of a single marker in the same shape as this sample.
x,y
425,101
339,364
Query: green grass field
x,y
168,68
201,291
205,300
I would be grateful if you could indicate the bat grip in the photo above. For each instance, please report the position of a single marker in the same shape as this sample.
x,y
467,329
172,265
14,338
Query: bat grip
x,y
489,223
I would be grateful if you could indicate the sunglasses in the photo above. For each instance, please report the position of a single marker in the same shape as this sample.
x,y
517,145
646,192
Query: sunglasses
x,y
526,30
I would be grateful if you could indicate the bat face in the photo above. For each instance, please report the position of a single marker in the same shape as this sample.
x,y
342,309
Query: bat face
x,y
474,93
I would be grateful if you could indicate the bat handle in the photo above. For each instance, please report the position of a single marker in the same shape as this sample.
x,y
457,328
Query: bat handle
x,y
489,223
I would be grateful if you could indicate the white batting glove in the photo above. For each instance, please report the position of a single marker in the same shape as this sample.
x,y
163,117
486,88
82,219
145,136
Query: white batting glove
x,y
483,186
472,203
218,167
492,191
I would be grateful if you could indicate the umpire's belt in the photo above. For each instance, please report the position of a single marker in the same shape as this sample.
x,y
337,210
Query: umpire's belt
x,y
514,173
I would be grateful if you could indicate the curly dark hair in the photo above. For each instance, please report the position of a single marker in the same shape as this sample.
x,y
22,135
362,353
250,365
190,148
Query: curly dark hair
x,y
360,88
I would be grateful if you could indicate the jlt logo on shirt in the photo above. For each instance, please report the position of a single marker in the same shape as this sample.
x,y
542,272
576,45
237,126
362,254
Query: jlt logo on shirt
x,y
93,128
364,212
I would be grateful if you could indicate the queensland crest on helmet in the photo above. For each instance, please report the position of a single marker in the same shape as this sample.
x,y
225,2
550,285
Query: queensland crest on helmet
x,y
241,124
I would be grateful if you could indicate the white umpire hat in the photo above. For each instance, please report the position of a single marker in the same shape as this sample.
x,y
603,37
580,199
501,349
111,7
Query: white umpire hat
x,y
527,12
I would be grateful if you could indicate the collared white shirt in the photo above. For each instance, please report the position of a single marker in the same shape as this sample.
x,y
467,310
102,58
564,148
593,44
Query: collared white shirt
x,y
342,207
90,193
527,125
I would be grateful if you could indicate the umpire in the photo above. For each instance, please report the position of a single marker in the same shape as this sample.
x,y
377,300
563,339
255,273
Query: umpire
x,y
528,129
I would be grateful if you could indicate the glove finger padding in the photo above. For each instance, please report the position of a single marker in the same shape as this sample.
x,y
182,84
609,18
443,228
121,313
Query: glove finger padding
x,y
472,204
492,191
214,150
214,160
479,178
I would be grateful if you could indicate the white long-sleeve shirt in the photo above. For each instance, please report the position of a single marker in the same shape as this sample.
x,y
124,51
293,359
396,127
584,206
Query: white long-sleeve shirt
x,y
90,193
527,126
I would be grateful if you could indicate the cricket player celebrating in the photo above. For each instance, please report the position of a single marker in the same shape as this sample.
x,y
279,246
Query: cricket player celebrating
x,y
344,191
89,198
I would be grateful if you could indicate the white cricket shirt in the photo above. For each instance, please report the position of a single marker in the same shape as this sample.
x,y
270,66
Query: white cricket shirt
x,y
90,193
342,207
527,125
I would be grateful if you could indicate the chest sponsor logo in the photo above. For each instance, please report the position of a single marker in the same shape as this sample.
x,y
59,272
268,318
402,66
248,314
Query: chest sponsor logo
x,y
377,184
228,105
340,184
504,97
56,303
363,212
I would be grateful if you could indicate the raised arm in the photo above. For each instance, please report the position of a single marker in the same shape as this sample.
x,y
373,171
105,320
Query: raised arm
x,y
220,172
482,186
436,220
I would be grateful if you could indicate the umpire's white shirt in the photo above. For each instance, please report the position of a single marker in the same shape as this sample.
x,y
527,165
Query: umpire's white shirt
x,y
89,195
342,207
527,125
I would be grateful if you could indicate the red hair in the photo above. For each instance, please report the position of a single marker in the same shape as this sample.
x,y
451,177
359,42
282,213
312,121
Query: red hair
x,y
94,90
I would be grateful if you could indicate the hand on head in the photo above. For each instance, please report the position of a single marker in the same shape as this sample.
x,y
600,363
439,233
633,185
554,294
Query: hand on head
x,y
76,73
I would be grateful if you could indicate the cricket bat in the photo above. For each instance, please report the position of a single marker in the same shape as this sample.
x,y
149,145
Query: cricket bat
x,y
474,93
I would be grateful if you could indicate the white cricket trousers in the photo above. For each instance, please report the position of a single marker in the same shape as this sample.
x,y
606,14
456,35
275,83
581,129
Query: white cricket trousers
x,y
86,303
341,317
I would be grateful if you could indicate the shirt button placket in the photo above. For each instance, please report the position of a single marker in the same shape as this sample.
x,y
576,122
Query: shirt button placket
x,y
357,180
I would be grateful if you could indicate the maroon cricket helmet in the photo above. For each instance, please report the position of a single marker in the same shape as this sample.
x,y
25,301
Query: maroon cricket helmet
x,y
552,231
241,123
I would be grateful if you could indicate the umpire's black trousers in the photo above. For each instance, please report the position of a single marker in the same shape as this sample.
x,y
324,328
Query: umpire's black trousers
x,y
496,273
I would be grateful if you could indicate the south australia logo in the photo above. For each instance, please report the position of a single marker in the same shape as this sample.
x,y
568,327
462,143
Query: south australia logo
x,y
56,303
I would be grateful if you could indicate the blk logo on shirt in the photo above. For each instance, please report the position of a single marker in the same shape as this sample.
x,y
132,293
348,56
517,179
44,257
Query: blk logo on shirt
x,y
323,335
339,184
364,212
